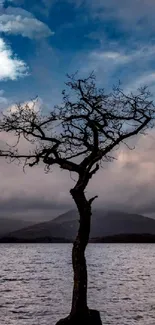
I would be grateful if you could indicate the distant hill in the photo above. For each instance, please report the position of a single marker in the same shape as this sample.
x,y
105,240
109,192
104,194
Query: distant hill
x,y
125,238
104,223
10,224
11,239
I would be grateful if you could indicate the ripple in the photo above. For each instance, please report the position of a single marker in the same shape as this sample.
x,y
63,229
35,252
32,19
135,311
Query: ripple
x,y
36,283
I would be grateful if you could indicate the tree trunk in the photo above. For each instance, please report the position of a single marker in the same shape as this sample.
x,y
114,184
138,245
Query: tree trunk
x,y
80,313
79,299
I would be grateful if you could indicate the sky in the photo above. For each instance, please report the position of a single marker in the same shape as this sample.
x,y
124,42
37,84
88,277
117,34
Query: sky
x,y
43,40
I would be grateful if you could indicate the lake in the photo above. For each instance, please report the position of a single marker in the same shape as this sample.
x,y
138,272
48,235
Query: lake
x,y
36,283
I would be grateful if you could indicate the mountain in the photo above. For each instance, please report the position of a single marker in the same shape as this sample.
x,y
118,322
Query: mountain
x,y
8,225
104,223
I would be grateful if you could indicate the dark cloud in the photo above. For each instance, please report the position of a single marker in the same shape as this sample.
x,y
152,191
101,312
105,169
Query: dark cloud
x,y
34,208
128,184
125,184
18,204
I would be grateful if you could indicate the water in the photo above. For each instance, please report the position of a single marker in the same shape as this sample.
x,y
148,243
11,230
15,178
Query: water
x,y
36,283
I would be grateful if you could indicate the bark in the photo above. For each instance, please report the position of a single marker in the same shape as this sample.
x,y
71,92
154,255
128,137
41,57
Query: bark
x,y
80,313
79,299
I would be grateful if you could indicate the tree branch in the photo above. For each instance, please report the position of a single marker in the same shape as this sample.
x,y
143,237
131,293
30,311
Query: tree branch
x,y
82,131
92,199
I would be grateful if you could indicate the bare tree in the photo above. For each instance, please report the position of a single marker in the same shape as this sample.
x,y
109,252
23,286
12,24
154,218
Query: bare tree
x,y
78,135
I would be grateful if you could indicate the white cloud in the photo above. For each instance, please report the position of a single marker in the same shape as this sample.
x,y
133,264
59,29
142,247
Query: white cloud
x,y
18,21
133,67
147,79
123,57
10,66
35,105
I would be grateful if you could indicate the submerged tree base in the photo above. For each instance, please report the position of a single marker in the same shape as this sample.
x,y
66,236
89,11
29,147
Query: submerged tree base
x,y
92,318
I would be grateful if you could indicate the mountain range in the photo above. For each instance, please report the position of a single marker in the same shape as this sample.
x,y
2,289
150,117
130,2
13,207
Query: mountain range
x,y
65,227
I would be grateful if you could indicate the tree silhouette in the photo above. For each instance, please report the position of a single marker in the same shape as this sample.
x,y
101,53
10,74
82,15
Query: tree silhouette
x,y
77,136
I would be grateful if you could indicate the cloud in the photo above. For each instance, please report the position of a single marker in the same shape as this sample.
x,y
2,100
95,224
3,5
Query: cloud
x,y
34,194
146,79
35,105
133,67
128,13
127,184
123,57
4,101
18,11
11,67
18,21
114,59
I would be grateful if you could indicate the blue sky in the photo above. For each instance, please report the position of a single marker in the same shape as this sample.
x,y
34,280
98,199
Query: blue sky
x,y
41,41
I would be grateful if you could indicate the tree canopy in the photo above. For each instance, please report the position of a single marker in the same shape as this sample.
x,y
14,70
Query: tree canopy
x,y
82,131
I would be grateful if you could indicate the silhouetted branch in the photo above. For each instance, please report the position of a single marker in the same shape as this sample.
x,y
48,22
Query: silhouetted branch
x,y
92,199
94,170
82,132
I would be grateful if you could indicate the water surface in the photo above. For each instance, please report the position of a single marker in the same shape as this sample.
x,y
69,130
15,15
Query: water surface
x,y
36,283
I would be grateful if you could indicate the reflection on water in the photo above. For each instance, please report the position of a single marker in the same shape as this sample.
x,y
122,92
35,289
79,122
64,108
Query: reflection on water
x,y
36,283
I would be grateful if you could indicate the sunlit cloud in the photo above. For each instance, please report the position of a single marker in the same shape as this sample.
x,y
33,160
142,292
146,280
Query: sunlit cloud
x,y
11,67
18,21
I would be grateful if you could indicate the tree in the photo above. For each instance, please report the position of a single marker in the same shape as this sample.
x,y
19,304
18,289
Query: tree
x,y
77,136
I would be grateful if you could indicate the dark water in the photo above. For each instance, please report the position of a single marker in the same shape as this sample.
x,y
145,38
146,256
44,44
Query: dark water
x,y
36,280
